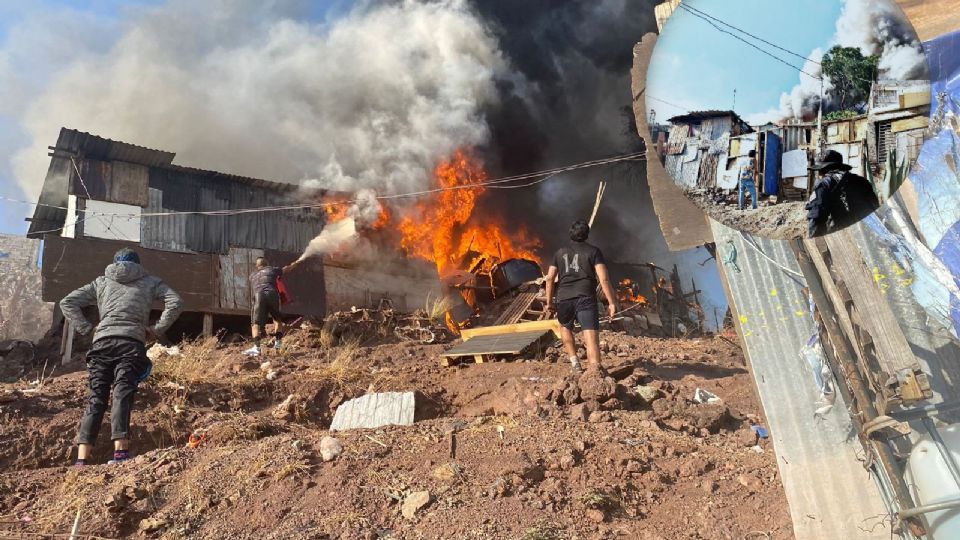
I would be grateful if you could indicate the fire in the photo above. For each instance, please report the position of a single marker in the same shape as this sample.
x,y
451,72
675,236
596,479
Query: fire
x,y
444,230
627,292
340,206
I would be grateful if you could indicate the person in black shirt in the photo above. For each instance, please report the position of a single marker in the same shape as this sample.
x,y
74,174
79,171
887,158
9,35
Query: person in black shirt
x,y
266,301
840,198
577,269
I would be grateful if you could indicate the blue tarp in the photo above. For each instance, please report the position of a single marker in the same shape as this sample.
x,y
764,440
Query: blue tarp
x,y
771,174
936,179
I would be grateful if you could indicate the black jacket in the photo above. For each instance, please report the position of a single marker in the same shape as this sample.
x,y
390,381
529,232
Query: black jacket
x,y
839,200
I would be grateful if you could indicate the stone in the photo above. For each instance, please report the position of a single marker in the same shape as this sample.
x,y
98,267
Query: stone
x,y
751,482
647,393
571,393
414,502
447,472
582,411
375,410
747,437
330,448
599,417
150,525
595,387
285,410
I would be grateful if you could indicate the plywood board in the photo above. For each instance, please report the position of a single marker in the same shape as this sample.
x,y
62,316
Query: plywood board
x,y
917,122
893,350
552,325
111,221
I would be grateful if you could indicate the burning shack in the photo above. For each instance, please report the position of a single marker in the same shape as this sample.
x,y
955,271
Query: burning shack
x,y
100,195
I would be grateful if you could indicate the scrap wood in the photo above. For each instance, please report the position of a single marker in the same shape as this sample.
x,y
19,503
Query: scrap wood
x,y
596,205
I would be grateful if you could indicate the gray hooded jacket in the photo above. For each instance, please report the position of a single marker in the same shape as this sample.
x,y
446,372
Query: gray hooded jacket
x,y
123,296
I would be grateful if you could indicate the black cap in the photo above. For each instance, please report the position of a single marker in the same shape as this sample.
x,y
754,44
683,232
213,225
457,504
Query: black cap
x,y
830,161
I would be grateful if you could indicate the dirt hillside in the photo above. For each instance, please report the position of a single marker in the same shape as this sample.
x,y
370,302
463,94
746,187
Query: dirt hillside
x,y
536,452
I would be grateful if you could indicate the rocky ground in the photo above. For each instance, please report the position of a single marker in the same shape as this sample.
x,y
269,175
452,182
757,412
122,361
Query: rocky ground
x,y
782,221
230,448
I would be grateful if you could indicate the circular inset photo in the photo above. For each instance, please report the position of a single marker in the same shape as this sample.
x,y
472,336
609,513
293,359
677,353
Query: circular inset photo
x,y
788,119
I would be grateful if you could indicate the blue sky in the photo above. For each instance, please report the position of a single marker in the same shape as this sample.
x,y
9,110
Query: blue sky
x,y
697,67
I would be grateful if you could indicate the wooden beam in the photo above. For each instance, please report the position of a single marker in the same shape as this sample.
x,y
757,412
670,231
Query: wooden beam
x,y
552,325
207,325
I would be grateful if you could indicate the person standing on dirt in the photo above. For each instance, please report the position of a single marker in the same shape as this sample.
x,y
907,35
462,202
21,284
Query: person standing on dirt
x,y
840,198
118,359
748,179
266,302
577,269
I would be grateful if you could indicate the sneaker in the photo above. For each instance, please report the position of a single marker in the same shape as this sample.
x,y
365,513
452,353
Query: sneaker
x,y
120,456
576,368
252,351
80,463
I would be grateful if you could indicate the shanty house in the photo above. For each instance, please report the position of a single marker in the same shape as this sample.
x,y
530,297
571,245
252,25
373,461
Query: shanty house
x,y
699,149
100,195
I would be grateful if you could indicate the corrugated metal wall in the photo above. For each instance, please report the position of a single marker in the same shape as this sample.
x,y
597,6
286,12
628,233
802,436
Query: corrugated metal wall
x,y
182,191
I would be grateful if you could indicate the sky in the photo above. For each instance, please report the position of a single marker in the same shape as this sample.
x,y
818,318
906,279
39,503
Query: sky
x,y
696,67
38,39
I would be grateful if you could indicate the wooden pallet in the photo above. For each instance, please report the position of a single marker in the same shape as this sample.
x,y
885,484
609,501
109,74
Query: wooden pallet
x,y
526,307
490,343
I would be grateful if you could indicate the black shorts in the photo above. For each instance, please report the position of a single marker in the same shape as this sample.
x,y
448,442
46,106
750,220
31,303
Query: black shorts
x,y
265,304
582,309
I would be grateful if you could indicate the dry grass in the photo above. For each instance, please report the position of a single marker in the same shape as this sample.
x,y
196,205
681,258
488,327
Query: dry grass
x,y
343,371
599,500
327,339
544,531
436,309
195,365
297,468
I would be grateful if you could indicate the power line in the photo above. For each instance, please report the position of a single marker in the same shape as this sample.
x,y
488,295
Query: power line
x,y
774,45
665,102
497,183
757,47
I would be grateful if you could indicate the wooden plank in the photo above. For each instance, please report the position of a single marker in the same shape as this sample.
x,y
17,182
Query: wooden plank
x,y
70,263
517,308
489,345
907,124
552,325
892,348
129,184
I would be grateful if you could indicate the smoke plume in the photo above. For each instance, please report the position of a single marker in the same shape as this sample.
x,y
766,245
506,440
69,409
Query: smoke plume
x,y
247,87
876,28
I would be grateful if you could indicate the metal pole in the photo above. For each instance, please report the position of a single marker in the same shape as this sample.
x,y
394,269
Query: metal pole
x,y
916,511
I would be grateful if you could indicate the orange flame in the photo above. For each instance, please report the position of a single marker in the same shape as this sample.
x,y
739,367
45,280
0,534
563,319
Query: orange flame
x,y
338,207
444,230
627,292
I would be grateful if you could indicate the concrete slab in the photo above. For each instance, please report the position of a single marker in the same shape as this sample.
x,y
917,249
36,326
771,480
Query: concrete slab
x,y
375,410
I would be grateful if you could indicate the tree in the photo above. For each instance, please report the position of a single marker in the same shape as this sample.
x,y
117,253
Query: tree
x,y
852,74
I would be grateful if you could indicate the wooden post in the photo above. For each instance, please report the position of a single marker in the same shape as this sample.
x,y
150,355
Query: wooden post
x,y
66,342
207,325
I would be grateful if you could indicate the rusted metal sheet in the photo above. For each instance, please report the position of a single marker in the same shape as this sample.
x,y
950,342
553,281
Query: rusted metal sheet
x,y
117,181
71,263
404,284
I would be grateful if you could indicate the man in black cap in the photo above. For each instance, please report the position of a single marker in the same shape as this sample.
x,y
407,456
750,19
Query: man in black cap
x,y
840,198
118,361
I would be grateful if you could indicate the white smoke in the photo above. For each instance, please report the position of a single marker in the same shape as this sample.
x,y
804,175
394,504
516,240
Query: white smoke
x,y
335,237
373,99
875,28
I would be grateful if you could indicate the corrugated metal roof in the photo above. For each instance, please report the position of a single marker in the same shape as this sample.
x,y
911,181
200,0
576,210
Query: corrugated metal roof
x,y
92,146
817,458
695,116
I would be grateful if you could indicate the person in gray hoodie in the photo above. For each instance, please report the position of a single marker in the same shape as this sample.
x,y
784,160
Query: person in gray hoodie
x,y
118,359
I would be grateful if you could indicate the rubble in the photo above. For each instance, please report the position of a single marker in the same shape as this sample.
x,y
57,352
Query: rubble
x,y
254,474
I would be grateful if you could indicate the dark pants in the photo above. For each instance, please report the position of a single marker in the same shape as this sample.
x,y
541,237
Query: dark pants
x,y
265,304
118,364
582,309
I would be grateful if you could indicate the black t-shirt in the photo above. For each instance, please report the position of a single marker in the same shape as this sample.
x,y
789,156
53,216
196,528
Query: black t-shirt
x,y
576,270
265,279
